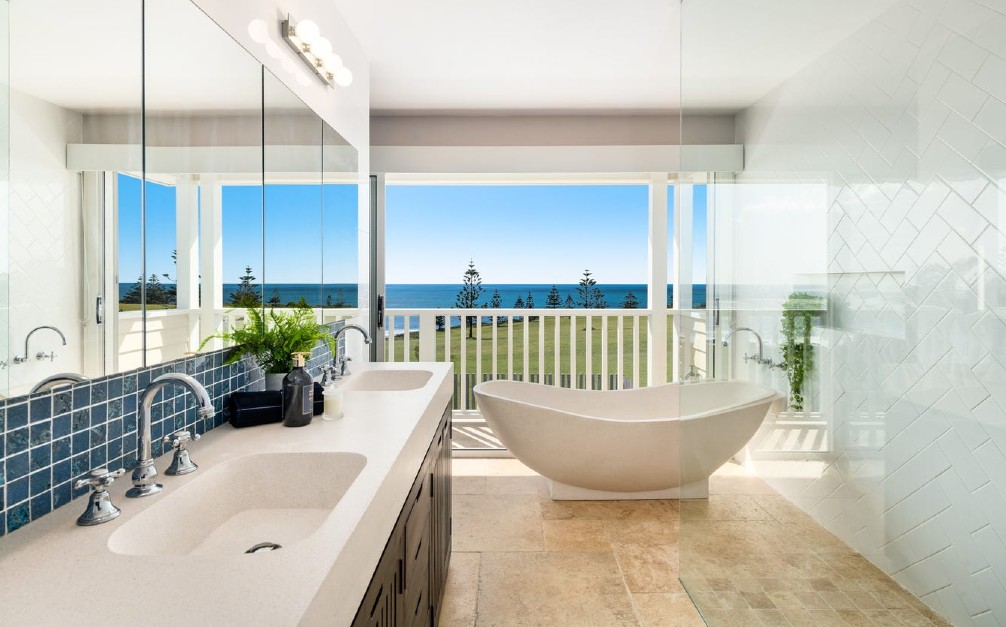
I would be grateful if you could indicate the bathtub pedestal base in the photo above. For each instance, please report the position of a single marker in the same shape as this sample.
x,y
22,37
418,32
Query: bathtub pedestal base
x,y
564,492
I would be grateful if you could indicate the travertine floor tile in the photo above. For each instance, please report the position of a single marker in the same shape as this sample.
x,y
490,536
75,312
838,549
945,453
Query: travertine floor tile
x,y
723,507
758,600
497,522
666,511
738,484
780,508
552,589
668,609
515,484
731,618
461,592
747,557
468,467
649,568
576,536
772,618
641,531
466,484
827,618
508,468
854,617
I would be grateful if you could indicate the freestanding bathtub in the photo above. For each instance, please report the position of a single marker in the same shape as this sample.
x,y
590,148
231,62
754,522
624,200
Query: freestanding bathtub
x,y
649,443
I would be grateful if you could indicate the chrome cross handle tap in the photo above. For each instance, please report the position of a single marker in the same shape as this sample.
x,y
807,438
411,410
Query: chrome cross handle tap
x,y
760,358
181,464
343,366
145,475
99,504
20,359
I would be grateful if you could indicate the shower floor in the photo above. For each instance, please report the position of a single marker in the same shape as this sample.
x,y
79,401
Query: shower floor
x,y
744,557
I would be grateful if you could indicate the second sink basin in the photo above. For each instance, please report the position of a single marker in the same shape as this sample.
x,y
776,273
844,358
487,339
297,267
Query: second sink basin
x,y
388,380
279,498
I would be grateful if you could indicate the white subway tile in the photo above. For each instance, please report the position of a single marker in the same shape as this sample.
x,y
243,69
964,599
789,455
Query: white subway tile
x,y
963,96
963,56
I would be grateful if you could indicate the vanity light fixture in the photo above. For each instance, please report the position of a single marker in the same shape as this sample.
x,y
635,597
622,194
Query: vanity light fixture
x,y
316,51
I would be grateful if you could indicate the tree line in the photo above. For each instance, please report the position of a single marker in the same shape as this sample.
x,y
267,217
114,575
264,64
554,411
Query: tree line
x,y
248,294
588,296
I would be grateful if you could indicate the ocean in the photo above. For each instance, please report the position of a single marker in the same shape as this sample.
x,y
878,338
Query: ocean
x,y
443,295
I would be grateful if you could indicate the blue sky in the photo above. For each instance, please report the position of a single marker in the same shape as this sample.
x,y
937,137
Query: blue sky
x,y
293,247
515,234
523,234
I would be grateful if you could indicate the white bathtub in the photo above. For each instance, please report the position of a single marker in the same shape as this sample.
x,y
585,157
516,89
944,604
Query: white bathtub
x,y
650,443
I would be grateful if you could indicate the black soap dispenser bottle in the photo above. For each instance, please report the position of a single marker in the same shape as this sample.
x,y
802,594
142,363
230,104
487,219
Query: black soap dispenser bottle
x,y
298,394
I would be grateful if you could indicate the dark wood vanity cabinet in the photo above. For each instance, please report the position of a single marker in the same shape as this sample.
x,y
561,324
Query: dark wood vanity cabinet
x,y
408,584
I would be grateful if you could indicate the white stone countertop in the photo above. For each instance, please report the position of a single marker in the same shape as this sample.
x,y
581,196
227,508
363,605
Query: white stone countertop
x,y
54,572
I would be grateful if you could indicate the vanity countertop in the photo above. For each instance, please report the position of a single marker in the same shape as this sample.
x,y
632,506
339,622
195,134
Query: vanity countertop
x,y
54,572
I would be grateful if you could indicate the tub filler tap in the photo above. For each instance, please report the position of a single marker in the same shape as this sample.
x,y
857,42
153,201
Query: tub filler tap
x,y
760,358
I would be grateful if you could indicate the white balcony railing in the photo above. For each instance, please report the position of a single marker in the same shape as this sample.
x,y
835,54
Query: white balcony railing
x,y
588,349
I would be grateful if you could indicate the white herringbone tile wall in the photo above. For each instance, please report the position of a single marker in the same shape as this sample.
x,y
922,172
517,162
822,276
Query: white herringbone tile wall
x,y
44,238
905,125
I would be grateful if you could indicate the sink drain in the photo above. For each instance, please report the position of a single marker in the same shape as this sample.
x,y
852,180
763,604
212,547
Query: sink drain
x,y
263,547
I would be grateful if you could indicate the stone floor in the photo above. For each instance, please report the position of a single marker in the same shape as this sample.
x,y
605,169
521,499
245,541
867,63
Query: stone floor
x,y
744,557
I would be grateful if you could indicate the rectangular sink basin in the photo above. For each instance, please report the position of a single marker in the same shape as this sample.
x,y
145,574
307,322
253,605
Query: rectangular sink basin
x,y
279,498
388,380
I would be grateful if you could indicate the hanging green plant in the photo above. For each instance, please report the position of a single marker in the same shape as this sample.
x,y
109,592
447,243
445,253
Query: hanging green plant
x,y
798,315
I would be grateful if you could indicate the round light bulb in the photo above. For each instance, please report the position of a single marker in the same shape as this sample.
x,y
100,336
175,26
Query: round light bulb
x,y
332,62
343,77
321,49
258,31
307,31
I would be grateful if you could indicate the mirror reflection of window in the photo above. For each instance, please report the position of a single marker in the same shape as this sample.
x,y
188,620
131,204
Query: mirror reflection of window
x,y
242,246
129,212
341,262
293,250
162,246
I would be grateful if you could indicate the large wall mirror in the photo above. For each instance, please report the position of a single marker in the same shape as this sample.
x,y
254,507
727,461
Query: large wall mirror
x,y
149,203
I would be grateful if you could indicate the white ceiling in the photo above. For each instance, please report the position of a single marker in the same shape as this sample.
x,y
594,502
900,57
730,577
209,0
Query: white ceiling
x,y
591,55
88,57
495,56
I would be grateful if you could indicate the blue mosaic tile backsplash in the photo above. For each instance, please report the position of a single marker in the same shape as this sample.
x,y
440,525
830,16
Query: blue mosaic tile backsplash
x,y
51,439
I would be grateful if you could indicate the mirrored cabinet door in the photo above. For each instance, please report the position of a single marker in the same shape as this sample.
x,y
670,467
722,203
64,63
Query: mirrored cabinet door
x,y
340,227
5,350
293,197
202,163
82,87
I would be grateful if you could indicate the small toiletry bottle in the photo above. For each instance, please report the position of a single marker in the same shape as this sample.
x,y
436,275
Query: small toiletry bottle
x,y
333,401
298,394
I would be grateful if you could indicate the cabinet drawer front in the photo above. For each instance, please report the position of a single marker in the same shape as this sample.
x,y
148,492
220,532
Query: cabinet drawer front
x,y
417,594
418,520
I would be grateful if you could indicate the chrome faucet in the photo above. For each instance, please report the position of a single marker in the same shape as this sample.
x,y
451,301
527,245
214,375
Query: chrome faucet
x,y
20,359
760,359
343,368
144,473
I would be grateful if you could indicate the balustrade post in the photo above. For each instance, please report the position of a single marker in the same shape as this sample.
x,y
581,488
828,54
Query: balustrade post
x,y
427,336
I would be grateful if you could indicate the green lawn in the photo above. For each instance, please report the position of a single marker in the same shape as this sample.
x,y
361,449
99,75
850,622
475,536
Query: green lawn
x,y
548,366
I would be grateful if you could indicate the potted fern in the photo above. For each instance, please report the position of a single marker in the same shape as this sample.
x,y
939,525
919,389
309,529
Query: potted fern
x,y
272,338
